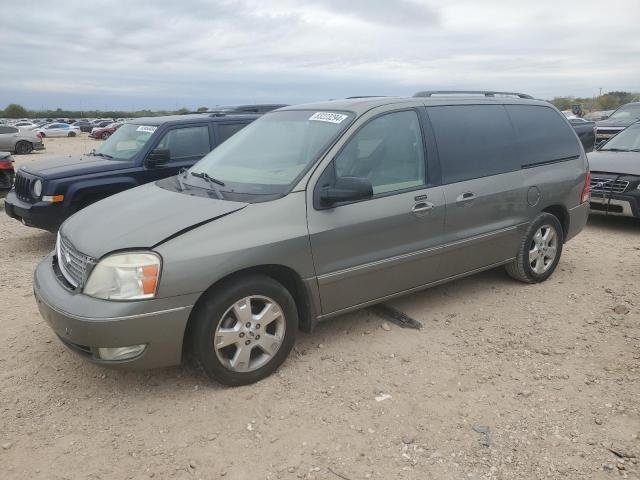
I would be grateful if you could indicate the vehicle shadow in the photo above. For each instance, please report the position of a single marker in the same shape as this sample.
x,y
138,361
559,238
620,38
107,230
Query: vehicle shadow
x,y
613,222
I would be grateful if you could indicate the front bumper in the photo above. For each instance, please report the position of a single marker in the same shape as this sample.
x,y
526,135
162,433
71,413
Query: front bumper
x,y
619,204
44,215
85,324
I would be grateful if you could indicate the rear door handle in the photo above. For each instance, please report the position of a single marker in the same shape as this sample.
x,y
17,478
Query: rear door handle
x,y
466,198
422,208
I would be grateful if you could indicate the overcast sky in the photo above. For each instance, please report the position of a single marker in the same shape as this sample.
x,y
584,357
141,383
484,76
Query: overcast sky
x,y
82,54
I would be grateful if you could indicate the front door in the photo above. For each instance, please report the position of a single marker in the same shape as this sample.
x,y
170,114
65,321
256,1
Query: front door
x,y
366,250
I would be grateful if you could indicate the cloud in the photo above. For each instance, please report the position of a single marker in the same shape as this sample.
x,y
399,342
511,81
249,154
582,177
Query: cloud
x,y
162,53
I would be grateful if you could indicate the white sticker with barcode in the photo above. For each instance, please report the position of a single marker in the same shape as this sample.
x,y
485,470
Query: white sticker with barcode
x,y
146,129
328,117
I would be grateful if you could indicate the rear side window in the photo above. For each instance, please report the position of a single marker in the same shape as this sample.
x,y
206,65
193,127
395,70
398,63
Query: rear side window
x,y
473,141
225,130
8,130
543,135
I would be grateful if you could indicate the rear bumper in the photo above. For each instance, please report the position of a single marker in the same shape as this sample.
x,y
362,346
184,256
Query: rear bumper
x,y
85,324
621,205
44,215
577,220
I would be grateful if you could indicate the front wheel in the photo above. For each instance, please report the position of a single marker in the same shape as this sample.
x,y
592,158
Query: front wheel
x,y
540,250
243,330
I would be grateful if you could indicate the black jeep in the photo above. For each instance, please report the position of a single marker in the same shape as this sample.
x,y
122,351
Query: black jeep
x,y
47,192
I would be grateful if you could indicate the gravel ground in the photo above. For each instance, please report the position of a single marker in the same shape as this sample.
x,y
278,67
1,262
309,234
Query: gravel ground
x,y
505,381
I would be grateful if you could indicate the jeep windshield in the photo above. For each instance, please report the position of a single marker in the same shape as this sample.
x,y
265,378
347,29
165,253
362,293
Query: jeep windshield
x,y
627,140
627,112
125,142
268,156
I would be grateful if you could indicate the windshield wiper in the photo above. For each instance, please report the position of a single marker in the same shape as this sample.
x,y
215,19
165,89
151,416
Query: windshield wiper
x,y
615,150
98,154
213,182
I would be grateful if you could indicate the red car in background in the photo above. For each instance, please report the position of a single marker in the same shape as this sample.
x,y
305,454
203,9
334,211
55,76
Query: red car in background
x,y
105,132
7,173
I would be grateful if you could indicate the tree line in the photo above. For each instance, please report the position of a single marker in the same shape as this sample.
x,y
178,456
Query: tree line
x,y
608,101
15,110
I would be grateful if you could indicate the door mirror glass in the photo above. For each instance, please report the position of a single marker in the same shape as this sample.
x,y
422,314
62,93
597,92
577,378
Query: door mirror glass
x,y
346,189
159,156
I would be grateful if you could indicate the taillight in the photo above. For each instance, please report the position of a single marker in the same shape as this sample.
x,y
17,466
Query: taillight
x,y
6,166
586,189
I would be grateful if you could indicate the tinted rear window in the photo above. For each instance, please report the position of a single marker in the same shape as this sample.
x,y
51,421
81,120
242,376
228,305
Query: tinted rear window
x,y
473,141
543,135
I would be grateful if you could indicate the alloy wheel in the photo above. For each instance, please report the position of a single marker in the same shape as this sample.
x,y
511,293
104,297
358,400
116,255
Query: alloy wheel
x,y
543,249
249,334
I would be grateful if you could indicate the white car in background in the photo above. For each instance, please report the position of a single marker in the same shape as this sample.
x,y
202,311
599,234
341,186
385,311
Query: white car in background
x,y
58,130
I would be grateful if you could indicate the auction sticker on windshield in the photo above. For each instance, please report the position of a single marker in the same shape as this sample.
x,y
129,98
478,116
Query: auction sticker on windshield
x,y
146,128
328,117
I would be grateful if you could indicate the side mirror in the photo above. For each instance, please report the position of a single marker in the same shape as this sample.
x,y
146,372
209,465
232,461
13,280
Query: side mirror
x,y
346,189
159,156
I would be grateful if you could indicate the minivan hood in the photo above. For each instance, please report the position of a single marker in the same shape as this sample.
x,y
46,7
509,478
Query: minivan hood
x,y
71,166
140,218
627,163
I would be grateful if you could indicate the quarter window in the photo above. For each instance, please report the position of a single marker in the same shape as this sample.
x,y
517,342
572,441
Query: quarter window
x,y
543,134
473,141
388,151
186,142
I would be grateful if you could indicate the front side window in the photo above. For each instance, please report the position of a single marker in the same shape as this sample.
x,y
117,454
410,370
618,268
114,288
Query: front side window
x,y
388,151
186,142
270,154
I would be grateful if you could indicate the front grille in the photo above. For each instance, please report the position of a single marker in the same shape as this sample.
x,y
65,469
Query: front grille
x,y
23,186
72,263
608,185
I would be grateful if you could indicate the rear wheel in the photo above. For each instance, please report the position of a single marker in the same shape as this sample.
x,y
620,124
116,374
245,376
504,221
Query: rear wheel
x,y
244,330
24,147
72,134
539,251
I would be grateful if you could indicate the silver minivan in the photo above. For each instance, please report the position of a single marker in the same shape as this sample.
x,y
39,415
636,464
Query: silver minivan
x,y
310,212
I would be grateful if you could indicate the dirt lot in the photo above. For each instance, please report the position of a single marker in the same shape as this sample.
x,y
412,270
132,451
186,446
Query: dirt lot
x,y
506,381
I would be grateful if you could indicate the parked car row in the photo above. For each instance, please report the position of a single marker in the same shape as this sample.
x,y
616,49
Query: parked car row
x,y
292,220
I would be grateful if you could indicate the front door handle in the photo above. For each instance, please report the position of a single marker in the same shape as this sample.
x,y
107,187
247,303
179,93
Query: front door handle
x,y
421,208
466,198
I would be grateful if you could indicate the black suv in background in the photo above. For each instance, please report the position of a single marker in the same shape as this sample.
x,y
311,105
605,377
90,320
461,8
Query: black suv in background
x,y
47,192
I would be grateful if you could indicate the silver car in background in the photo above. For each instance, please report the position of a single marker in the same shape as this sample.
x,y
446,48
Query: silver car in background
x,y
310,212
17,140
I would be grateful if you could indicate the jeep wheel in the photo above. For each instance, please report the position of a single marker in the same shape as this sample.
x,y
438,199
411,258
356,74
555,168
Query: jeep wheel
x,y
539,251
23,147
244,330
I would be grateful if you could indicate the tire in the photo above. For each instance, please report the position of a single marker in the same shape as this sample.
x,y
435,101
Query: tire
x,y
71,134
219,316
105,135
538,255
23,147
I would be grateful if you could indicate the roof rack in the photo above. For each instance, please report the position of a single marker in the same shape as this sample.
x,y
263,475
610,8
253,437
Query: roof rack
x,y
430,93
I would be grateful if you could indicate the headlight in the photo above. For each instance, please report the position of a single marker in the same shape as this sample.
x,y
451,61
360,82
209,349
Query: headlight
x,y
36,188
125,276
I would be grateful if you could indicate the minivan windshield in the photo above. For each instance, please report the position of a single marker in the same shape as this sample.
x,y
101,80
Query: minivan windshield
x,y
627,112
125,142
627,140
270,154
